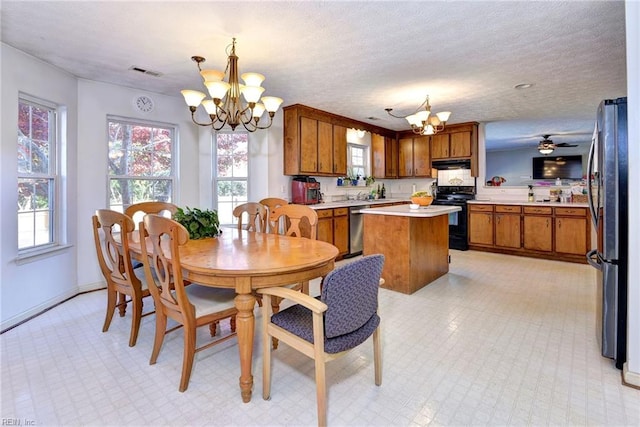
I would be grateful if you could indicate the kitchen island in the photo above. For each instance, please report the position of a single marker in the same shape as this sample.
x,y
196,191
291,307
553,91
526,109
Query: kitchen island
x,y
415,243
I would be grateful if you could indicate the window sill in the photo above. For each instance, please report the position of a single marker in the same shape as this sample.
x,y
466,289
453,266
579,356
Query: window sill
x,y
38,254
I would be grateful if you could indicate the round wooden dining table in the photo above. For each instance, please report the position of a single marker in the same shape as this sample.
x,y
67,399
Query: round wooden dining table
x,y
246,261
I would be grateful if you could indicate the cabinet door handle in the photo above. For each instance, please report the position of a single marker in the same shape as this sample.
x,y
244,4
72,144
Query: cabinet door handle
x,y
547,223
498,219
559,223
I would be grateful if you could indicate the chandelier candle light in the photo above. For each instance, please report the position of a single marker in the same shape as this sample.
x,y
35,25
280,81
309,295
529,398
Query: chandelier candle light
x,y
422,122
225,106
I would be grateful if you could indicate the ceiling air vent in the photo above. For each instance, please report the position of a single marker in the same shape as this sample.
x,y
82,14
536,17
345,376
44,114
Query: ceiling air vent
x,y
143,71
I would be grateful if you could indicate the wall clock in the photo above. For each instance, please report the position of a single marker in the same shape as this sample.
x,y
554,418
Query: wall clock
x,y
144,104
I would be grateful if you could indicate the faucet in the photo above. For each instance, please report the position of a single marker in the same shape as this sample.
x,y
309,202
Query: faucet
x,y
359,196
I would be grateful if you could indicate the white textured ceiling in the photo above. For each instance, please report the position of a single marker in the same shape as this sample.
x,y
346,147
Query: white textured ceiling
x,y
356,58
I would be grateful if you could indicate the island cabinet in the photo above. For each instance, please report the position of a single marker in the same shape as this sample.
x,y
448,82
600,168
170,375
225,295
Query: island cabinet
x,y
560,233
384,156
416,248
457,142
333,227
413,157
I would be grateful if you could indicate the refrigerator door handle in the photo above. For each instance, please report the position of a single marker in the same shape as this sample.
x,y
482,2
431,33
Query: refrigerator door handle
x,y
593,259
592,208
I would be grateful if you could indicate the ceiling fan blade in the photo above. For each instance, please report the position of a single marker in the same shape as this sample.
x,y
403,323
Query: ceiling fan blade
x,y
565,145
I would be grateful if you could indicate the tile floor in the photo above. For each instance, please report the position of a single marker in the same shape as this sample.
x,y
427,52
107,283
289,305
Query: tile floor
x,y
500,340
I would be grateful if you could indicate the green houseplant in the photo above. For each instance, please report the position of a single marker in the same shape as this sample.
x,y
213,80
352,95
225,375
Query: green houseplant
x,y
200,223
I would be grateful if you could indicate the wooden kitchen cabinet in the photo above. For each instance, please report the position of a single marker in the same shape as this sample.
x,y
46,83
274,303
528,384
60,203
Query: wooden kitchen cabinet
x,y
384,157
315,142
413,157
559,233
537,228
481,225
571,231
457,142
507,226
333,227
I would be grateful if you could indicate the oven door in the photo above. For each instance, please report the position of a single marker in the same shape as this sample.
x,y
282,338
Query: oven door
x,y
457,224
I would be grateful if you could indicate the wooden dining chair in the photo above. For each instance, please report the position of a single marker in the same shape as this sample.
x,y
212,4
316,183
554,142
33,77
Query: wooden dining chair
x,y
323,329
117,268
138,210
302,221
190,306
271,203
256,216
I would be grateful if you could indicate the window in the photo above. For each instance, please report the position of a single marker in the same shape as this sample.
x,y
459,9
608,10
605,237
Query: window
x,y
231,173
357,160
141,162
37,175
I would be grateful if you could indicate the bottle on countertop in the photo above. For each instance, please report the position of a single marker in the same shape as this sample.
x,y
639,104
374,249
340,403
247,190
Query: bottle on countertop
x,y
531,199
383,192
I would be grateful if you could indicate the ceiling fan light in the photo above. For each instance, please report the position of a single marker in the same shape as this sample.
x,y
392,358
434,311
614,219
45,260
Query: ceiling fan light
x,y
192,97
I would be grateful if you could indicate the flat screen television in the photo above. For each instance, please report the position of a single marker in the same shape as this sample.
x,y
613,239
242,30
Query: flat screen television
x,y
552,167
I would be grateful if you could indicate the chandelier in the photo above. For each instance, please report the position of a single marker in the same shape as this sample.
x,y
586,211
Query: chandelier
x,y
225,106
422,122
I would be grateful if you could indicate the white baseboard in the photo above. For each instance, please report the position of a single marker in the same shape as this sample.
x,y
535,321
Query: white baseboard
x,y
631,378
33,311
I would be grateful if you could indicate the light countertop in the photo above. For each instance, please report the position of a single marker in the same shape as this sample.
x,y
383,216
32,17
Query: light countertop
x,y
349,203
405,210
521,203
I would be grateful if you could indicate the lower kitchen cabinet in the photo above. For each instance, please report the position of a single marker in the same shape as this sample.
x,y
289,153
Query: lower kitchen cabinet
x,y
481,225
571,229
507,226
560,233
333,227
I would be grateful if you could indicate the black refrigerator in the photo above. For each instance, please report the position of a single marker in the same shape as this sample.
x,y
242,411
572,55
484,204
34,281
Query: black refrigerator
x,y
607,183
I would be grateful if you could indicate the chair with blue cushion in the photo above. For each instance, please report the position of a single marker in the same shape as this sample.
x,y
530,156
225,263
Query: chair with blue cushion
x,y
344,316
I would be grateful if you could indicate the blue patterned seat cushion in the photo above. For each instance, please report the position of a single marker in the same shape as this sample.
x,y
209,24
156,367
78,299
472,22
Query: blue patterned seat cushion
x,y
299,321
351,295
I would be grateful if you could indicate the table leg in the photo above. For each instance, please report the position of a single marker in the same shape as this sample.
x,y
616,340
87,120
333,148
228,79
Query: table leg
x,y
245,325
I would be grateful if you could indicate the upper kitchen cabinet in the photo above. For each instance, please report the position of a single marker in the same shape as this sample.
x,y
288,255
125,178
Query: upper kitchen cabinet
x,y
457,142
315,141
413,157
384,156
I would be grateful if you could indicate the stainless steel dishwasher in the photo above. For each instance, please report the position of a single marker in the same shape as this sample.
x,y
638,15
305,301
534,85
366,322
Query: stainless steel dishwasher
x,y
356,225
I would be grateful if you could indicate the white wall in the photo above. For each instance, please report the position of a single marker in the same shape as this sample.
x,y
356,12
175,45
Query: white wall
x,y
95,102
28,288
632,367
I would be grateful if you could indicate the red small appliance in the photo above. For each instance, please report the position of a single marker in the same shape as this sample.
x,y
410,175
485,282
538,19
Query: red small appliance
x,y
305,190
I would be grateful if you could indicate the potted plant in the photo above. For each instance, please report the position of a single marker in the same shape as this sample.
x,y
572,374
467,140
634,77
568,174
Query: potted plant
x,y
199,223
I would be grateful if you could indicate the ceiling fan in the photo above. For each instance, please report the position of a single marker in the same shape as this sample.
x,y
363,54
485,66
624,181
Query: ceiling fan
x,y
546,146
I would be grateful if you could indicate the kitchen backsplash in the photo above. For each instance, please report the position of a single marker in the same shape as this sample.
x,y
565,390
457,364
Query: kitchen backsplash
x,y
456,177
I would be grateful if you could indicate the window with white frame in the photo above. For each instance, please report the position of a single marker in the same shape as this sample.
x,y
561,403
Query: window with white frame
x,y
231,176
357,156
141,162
37,175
